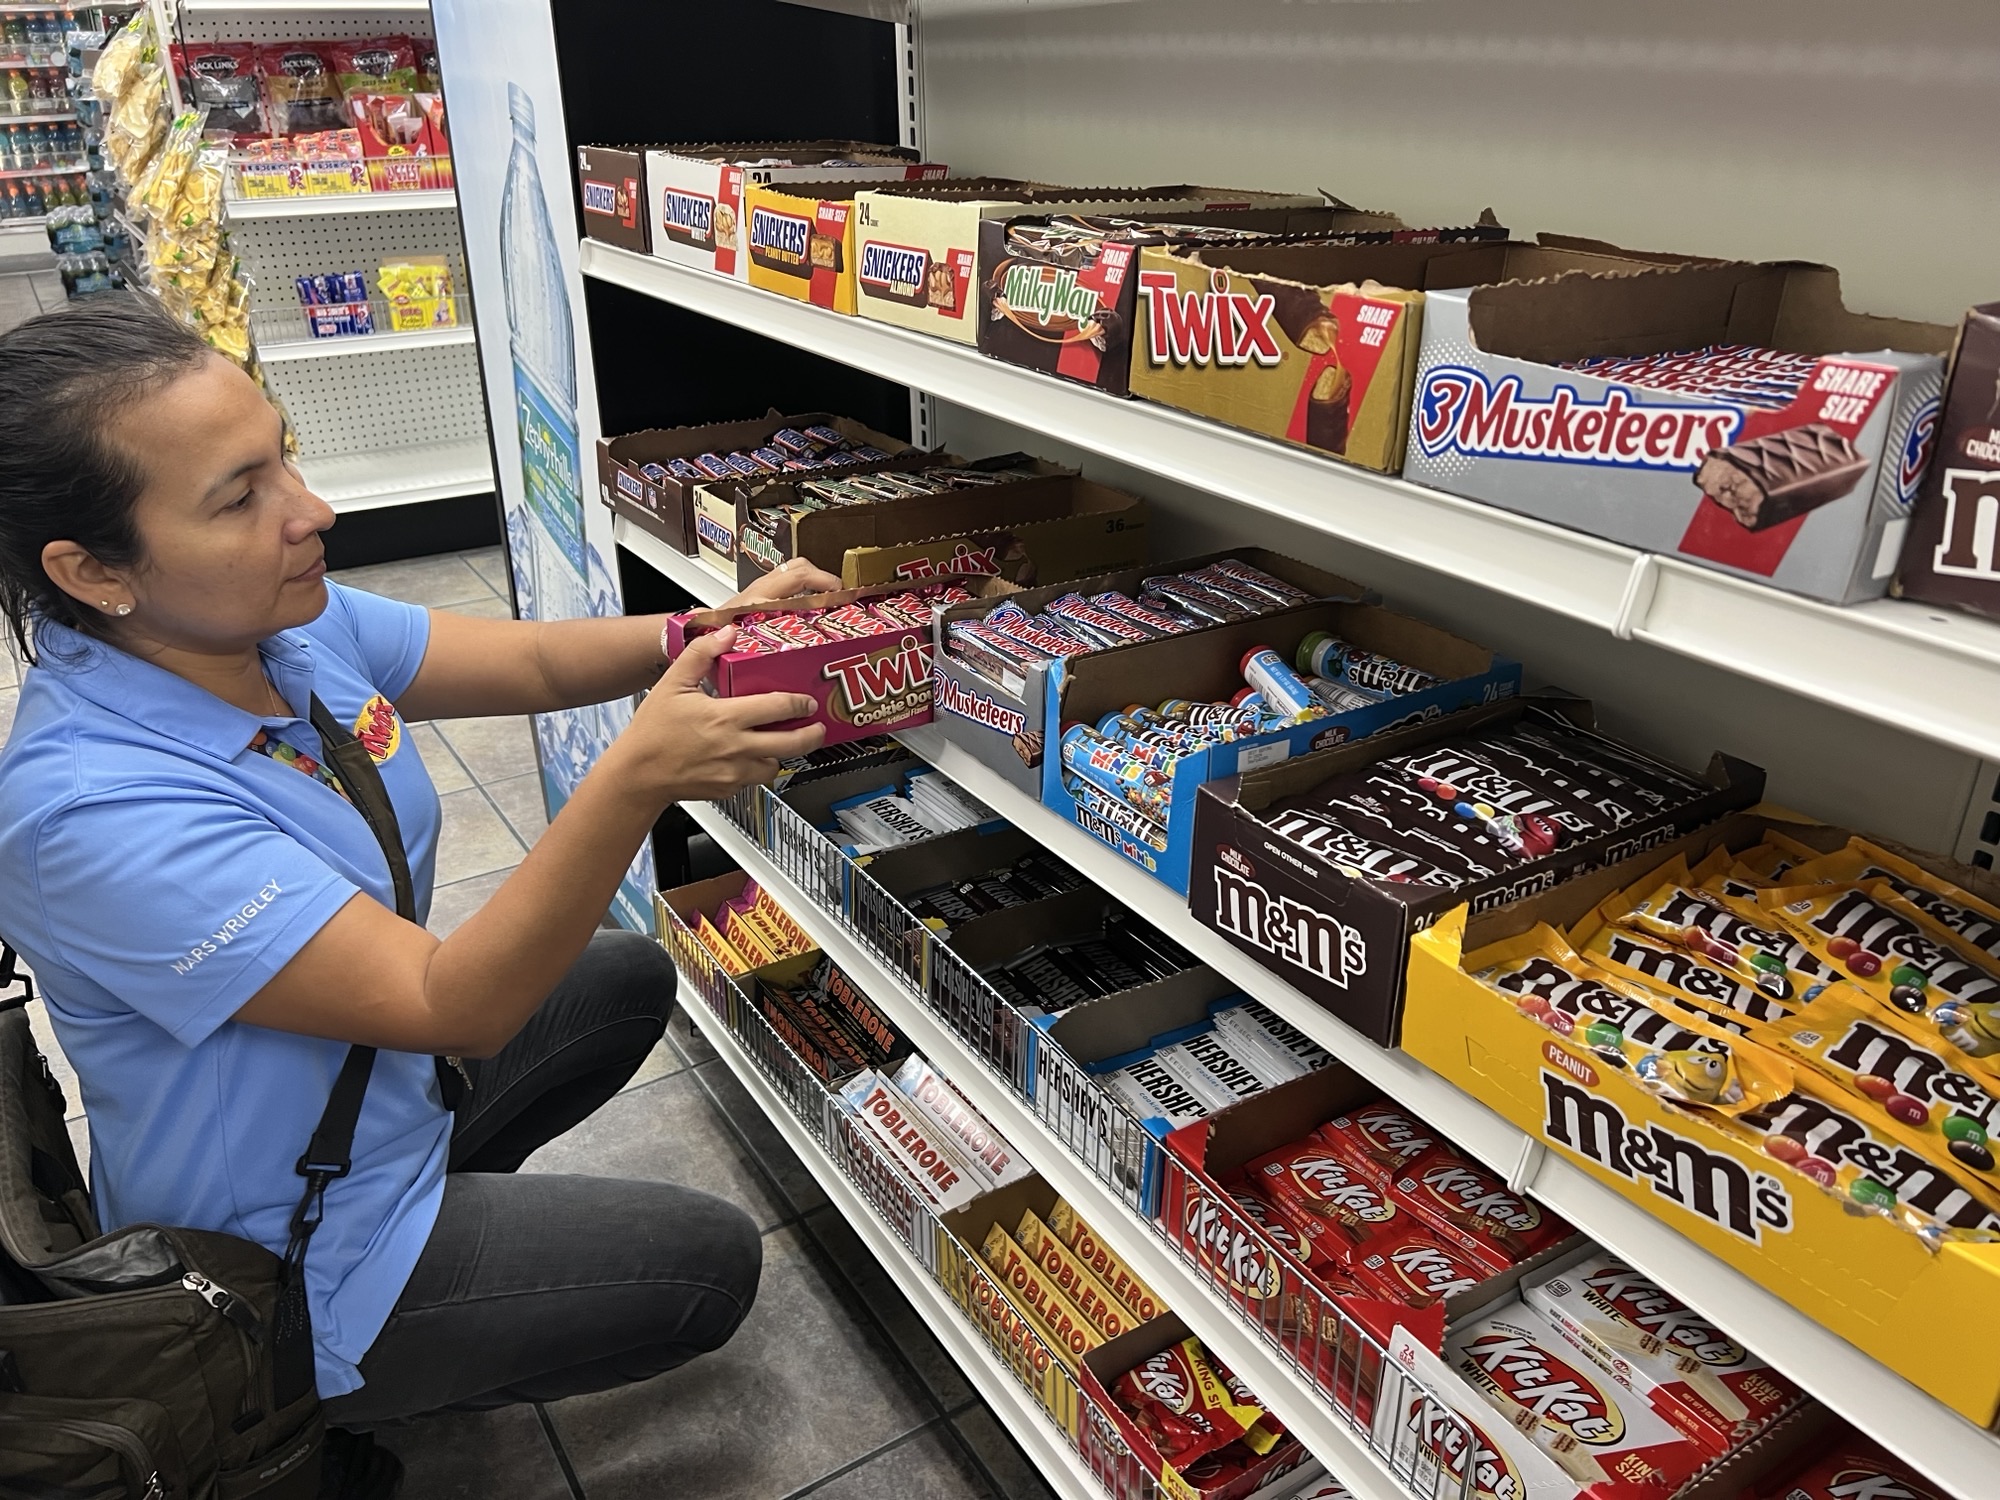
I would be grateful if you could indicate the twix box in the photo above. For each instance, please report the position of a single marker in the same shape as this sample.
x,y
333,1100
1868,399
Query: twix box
x,y
1696,1376
862,655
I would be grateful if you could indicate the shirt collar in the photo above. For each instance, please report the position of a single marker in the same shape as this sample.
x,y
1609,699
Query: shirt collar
x,y
164,703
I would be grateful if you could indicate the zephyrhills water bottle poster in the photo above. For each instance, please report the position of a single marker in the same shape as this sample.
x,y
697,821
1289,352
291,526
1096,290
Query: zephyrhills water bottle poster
x,y
509,148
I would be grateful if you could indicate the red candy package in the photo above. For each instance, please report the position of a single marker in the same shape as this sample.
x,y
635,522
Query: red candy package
x,y
1298,1240
1315,1186
1183,1405
1477,1209
1855,1470
1379,1138
1417,1266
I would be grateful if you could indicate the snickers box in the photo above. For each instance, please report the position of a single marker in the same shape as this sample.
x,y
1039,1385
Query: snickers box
x,y
665,504
696,193
1803,482
998,712
1057,292
863,686
612,180
1206,665
1315,343
1953,554
1345,941
918,253
1047,523
1877,1284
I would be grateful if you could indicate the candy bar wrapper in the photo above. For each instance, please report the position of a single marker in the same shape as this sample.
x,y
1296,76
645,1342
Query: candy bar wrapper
x,y
839,1043
733,963
857,1015
1766,957
1902,959
1413,1424
1701,1380
1118,1278
746,940
1322,1488
1604,1438
909,1139
1416,1266
796,938
985,1150
1651,964
1213,1093
1918,1087
1230,1066
1673,1049
1970,919
1856,1470
1469,1204
1067,1332
1179,1401
1076,1281
1328,1197
810,1046
1274,1062
1153,1091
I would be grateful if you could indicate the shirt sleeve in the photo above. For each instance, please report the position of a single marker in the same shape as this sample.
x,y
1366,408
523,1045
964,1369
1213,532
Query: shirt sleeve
x,y
183,906
389,637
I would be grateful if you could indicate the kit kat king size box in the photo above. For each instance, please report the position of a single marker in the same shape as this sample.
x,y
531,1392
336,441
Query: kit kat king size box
x,y
1804,482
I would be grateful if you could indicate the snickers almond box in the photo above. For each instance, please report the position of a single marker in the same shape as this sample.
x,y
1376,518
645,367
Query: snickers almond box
x,y
1953,552
1736,416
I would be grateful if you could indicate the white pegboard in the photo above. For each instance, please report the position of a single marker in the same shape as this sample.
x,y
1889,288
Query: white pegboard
x,y
373,401
302,24
275,251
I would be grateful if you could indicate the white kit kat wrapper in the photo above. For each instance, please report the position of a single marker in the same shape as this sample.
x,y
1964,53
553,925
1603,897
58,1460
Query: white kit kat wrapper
x,y
985,1150
1414,1423
910,1139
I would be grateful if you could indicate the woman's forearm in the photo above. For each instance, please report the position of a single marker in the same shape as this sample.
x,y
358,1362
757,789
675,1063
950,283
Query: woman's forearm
x,y
485,980
594,661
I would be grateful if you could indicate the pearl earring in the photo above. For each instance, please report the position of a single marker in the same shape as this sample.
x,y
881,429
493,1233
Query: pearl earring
x,y
123,609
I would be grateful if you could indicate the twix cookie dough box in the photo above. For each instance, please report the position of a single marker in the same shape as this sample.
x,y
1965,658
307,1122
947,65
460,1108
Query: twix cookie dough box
x,y
1953,553
1736,416
696,193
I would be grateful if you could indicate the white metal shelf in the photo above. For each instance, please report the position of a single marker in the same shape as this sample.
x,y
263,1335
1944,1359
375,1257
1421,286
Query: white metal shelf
x,y
1926,671
1059,1463
320,204
277,351
1903,1418
400,476
1329,1438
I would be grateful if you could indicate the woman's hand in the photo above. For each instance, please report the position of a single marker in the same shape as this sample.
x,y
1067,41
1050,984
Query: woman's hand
x,y
685,745
798,576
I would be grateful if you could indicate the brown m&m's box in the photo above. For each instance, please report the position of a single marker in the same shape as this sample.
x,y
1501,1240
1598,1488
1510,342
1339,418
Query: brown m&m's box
x,y
1952,554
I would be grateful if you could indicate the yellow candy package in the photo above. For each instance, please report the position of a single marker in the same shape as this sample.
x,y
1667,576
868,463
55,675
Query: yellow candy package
x,y
1715,989
746,940
732,962
1748,945
1900,958
1924,1090
1672,1050
1968,917
418,293
1817,1135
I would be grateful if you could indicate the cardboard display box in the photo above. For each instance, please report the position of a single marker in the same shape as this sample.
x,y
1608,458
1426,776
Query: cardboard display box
x,y
966,854
1001,722
1062,296
1345,942
867,685
1207,665
1818,491
1953,554
1868,1280
666,507
918,254
1054,524
1314,343
684,202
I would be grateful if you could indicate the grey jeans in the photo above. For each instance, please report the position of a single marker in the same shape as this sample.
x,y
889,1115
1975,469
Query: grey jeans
x,y
539,1286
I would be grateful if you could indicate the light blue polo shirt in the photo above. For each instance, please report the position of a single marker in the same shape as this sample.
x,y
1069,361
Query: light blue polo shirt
x,y
155,872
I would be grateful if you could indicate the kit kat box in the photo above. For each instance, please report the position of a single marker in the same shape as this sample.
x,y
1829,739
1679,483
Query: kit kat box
x,y
1953,552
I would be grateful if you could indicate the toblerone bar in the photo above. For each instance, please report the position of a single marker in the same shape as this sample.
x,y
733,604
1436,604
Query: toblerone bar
x,y
1073,1278
746,940
1117,1277
1069,1334
774,916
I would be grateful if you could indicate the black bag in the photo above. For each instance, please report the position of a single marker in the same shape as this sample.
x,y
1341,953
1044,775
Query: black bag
x,y
156,1363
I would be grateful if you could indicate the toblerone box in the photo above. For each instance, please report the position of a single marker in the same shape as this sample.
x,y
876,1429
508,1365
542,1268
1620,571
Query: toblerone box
x,y
1695,1375
1103,1262
1073,1278
902,1132
1071,1335
1868,1280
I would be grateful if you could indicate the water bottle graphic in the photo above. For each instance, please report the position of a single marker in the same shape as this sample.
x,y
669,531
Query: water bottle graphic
x,y
543,344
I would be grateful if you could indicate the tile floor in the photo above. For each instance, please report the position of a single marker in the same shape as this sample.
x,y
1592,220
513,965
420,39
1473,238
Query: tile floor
x,y
833,1387
25,293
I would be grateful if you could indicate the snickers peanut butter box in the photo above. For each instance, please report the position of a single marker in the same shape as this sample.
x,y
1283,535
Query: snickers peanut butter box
x,y
1736,416
1953,552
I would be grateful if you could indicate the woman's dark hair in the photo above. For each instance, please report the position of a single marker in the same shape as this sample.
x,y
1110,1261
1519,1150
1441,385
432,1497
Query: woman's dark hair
x,y
63,377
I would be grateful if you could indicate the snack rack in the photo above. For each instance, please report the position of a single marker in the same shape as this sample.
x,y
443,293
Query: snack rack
x,y
383,419
1883,711
22,236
